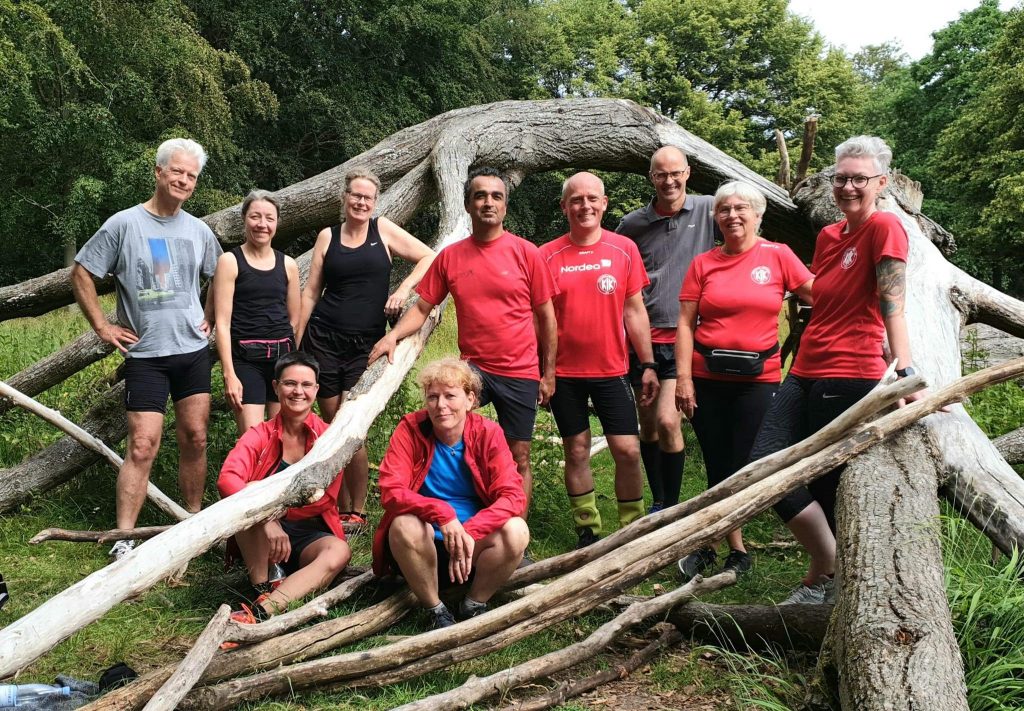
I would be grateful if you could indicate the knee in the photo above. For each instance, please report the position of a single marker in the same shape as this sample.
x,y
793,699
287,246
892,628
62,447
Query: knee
x,y
143,448
625,452
193,438
408,532
576,450
669,425
336,556
515,536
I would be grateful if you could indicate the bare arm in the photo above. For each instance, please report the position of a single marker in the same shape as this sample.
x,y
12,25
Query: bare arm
x,y
638,329
686,397
409,323
88,300
547,338
410,249
891,275
803,292
315,283
209,309
294,302
223,298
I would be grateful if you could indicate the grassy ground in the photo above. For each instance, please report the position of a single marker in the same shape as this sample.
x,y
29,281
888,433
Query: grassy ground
x,y
160,626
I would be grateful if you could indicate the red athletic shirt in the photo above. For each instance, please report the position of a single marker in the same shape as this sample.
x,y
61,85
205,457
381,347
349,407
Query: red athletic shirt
x,y
663,335
593,284
738,301
844,336
495,285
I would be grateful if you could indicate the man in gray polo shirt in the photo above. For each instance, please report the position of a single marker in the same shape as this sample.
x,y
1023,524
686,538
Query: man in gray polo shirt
x,y
669,232
157,252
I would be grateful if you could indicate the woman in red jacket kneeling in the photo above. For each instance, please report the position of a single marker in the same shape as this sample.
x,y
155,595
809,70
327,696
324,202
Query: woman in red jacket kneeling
x,y
453,499
308,542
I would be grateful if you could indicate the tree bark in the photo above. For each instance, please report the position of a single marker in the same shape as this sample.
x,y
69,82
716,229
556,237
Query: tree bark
x,y
757,627
984,345
1011,446
116,534
891,637
193,665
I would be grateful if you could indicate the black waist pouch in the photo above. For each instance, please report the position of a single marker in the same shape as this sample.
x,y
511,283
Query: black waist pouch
x,y
725,361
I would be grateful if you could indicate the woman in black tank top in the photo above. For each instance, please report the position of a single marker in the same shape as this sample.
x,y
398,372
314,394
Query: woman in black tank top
x,y
256,294
345,305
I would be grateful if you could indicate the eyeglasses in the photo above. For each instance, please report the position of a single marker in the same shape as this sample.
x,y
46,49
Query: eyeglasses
x,y
661,176
859,181
359,197
741,209
295,385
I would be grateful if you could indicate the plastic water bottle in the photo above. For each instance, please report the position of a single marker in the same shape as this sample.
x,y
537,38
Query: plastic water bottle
x,y
12,695
275,575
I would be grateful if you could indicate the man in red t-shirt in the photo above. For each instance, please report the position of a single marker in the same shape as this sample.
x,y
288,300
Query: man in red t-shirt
x,y
600,277
499,283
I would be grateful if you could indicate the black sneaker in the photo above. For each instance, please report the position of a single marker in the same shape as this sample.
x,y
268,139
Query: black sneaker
x,y
440,619
739,561
587,537
697,562
469,611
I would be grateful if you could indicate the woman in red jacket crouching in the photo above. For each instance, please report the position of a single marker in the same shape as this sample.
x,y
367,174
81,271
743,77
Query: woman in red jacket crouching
x,y
308,542
453,499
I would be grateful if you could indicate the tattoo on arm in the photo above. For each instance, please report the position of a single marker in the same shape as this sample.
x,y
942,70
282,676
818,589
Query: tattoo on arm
x,y
891,275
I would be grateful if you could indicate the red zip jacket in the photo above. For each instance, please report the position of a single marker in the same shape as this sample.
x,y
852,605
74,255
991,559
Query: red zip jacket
x,y
405,466
257,454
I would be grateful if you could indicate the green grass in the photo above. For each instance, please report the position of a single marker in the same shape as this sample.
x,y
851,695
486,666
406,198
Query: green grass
x,y
160,625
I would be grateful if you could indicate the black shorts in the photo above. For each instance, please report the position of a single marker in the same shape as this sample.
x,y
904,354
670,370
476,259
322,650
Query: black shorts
x,y
613,401
515,401
664,356
254,363
148,381
301,534
444,579
800,408
342,356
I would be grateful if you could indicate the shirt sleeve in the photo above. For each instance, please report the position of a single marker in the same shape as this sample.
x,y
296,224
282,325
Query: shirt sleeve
x,y
890,239
505,487
794,273
240,464
212,250
637,278
433,288
692,282
99,255
542,285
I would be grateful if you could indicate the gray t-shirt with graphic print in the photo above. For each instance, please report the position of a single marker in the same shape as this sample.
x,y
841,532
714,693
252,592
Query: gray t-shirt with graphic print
x,y
157,262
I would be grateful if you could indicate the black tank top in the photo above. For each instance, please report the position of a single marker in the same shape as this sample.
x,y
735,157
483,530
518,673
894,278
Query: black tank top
x,y
356,285
260,307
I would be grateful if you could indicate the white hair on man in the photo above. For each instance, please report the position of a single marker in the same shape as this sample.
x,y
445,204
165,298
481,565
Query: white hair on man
x,y
169,147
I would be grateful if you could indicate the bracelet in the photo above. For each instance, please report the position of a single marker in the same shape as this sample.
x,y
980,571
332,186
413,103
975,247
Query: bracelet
x,y
648,366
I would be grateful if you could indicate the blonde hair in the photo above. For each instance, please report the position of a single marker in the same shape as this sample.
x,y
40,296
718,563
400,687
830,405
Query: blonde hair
x,y
451,372
361,175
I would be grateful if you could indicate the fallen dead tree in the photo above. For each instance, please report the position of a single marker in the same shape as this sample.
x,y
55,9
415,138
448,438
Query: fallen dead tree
x,y
758,627
142,533
1011,446
193,665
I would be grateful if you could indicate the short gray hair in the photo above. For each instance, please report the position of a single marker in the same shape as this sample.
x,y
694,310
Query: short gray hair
x,y
866,147
744,191
260,196
168,148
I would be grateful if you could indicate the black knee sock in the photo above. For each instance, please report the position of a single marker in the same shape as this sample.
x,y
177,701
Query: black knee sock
x,y
672,475
650,453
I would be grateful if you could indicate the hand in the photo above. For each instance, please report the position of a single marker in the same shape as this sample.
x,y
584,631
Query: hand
x,y
205,327
459,545
385,346
686,397
649,388
395,302
233,391
547,389
118,336
920,395
280,546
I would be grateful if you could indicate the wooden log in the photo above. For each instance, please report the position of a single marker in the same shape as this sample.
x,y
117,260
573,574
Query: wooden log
x,y
193,665
668,637
756,627
479,688
279,624
115,534
868,406
983,345
1011,446
891,642
602,579
86,439
807,147
271,653
782,175
42,294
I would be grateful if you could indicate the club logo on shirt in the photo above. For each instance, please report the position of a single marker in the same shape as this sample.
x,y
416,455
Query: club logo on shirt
x,y
849,258
761,275
606,284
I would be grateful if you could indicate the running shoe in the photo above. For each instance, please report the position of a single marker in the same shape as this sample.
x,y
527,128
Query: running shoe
x,y
699,561
739,561
806,595
122,548
440,619
587,537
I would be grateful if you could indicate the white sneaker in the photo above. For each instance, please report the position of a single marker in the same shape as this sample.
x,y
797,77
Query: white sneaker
x,y
122,548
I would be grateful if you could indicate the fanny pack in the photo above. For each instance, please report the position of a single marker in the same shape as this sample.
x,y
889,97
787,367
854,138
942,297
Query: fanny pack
x,y
257,350
725,361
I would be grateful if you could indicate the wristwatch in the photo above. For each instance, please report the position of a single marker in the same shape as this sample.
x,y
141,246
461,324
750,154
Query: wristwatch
x,y
648,366
906,372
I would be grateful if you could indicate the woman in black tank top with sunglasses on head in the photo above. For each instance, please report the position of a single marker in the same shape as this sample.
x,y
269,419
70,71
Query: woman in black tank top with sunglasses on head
x,y
346,303
256,294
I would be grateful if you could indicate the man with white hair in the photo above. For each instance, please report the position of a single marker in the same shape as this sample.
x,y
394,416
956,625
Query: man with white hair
x,y
156,252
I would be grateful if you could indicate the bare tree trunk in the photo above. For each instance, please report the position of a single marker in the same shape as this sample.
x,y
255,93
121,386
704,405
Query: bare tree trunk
x,y
1011,446
193,665
759,627
892,641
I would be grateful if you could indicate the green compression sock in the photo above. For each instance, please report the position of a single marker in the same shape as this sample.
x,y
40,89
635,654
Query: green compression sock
x,y
584,511
630,511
